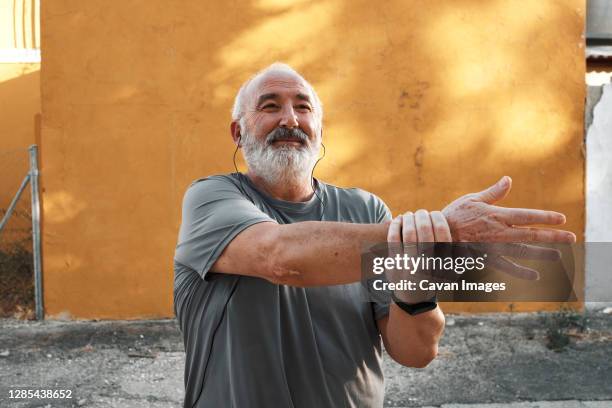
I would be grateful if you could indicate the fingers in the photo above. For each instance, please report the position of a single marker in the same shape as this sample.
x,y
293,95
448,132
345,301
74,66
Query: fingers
x,y
513,269
409,232
424,227
526,251
421,227
531,234
394,234
496,192
441,229
525,216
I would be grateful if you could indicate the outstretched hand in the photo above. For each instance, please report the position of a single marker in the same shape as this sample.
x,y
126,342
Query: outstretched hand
x,y
474,218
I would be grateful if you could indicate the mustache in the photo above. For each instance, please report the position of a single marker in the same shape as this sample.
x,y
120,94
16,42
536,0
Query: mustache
x,y
294,134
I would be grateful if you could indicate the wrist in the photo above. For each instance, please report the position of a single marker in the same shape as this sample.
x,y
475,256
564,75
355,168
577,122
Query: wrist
x,y
415,308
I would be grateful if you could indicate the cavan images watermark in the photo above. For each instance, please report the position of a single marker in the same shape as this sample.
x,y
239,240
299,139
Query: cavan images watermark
x,y
479,272
411,264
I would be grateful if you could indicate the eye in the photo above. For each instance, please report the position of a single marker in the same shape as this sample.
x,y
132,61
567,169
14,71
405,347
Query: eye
x,y
304,107
269,106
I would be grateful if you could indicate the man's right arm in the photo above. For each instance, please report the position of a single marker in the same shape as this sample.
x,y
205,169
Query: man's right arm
x,y
316,253
311,253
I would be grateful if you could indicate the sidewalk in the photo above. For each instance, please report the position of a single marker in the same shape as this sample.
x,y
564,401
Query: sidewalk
x,y
485,361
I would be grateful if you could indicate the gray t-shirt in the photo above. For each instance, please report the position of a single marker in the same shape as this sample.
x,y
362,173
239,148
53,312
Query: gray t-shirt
x,y
251,343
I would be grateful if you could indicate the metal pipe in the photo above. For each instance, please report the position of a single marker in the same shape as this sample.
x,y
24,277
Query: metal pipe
x,y
38,290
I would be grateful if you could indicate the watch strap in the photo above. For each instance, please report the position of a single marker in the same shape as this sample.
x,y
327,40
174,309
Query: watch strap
x,y
416,308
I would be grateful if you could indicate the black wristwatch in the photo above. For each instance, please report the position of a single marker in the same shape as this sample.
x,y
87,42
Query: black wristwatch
x,y
416,308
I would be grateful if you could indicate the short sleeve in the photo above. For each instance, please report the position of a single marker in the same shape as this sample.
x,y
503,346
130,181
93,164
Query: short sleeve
x,y
214,212
383,213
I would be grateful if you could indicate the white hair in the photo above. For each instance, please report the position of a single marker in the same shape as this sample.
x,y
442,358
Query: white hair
x,y
239,107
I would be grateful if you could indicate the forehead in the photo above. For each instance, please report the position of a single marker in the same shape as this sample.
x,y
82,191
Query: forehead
x,y
280,83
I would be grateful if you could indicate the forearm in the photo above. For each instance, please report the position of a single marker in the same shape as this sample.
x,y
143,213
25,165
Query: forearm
x,y
322,253
329,253
413,340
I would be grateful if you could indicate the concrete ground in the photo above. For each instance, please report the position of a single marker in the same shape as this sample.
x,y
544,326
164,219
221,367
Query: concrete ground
x,y
558,360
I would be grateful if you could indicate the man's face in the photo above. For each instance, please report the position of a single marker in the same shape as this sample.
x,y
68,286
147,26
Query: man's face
x,y
281,132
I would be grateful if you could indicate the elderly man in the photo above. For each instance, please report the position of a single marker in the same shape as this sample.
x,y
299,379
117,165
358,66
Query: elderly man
x,y
267,266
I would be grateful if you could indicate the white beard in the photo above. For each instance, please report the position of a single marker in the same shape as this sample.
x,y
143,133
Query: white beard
x,y
283,164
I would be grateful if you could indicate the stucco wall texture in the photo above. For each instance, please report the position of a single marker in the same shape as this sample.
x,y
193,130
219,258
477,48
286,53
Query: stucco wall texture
x,y
20,107
19,128
422,104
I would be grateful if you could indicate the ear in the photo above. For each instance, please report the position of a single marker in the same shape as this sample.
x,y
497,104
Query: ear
x,y
236,134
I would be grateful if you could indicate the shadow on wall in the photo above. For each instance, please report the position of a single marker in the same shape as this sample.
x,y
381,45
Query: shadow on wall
x,y
433,103
19,107
427,105
422,105
19,104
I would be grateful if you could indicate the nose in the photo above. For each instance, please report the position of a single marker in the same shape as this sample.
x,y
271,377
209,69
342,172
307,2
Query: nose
x,y
288,118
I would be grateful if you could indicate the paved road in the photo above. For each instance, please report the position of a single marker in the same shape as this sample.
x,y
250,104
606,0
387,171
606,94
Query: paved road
x,y
536,404
492,361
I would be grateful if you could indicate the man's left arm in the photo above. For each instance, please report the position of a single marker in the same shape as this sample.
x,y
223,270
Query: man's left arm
x,y
412,340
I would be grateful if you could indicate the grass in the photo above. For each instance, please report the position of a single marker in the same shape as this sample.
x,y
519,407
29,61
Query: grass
x,y
561,326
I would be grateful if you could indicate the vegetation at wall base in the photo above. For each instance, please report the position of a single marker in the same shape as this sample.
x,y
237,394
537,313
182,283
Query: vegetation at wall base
x,y
16,282
562,326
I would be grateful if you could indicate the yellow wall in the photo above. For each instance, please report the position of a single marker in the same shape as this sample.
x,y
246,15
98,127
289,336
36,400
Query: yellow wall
x,y
19,109
422,104
19,127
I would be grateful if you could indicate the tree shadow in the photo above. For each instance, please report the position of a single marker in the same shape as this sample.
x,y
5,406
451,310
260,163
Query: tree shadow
x,y
422,104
